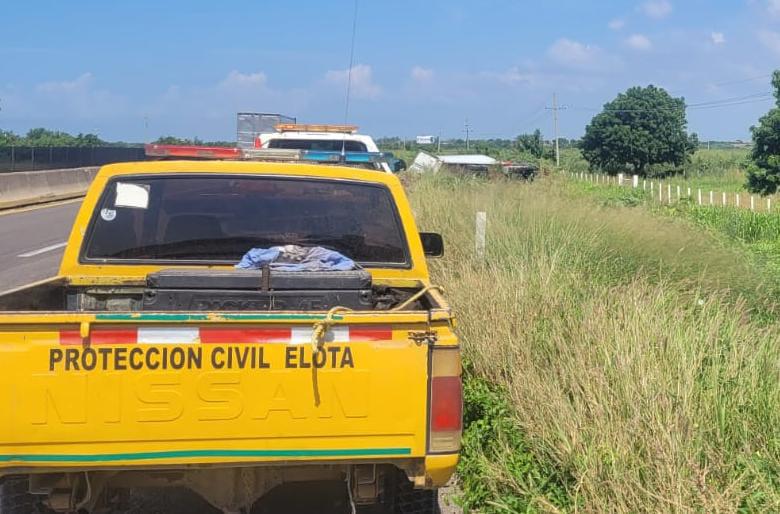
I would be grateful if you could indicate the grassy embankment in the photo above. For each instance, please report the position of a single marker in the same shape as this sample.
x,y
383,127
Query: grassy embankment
x,y
618,361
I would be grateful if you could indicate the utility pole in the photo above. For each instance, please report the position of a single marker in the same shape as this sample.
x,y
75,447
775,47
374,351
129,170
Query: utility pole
x,y
438,143
555,123
467,133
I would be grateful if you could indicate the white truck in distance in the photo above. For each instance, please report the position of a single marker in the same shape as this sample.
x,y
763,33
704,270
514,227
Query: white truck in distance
x,y
329,138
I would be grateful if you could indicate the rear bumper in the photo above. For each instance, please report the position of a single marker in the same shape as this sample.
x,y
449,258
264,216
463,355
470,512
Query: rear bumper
x,y
429,472
439,469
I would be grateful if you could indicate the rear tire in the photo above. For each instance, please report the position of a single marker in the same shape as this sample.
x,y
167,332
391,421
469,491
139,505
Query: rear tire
x,y
415,501
400,497
15,498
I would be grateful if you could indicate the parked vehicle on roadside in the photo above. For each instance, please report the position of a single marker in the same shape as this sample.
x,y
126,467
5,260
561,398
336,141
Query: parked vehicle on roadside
x,y
150,361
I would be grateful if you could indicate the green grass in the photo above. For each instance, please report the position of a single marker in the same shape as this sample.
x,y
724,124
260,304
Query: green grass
x,y
709,170
613,363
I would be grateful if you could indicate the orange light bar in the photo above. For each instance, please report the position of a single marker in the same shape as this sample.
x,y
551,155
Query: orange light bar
x,y
305,127
191,151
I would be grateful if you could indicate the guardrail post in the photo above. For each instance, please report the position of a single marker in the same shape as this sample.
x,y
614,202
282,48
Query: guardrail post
x,y
620,179
712,198
723,200
699,193
752,203
736,198
635,181
768,205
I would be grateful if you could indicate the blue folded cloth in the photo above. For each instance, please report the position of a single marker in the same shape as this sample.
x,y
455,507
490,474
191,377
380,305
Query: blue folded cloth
x,y
296,258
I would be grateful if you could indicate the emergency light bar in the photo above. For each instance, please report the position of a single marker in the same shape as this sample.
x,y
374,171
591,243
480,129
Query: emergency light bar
x,y
304,127
262,154
323,156
190,152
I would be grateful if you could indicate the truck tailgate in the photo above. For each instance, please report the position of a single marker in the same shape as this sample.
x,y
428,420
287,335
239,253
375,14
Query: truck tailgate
x,y
146,390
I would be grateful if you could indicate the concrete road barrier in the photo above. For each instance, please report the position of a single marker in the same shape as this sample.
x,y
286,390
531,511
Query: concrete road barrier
x,y
32,187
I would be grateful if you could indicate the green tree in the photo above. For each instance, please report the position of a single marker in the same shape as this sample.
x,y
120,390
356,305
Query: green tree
x,y
88,140
640,128
763,174
8,138
531,143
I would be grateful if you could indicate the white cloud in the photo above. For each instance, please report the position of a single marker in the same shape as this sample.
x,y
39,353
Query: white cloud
x,y
81,83
717,38
617,24
511,77
770,39
656,9
72,100
579,56
773,7
639,42
363,85
422,75
236,79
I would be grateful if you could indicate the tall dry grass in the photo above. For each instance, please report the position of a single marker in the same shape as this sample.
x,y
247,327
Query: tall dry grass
x,y
626,345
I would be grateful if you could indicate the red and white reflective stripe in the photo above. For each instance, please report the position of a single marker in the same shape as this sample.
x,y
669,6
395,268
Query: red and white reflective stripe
x,y
168,335
223,335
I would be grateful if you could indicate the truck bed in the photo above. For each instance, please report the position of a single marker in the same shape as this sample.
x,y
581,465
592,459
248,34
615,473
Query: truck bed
x,y
211,291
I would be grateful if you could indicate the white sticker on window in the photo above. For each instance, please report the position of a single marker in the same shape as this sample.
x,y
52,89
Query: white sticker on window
x,y
108,214
132,195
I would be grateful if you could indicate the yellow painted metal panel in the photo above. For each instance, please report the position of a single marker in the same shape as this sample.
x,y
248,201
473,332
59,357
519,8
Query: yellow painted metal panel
x,y
367,400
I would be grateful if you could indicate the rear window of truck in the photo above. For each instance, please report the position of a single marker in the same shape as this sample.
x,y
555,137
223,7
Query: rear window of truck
x,y
202,219
326,145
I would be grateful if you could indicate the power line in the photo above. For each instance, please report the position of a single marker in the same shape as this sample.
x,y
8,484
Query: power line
x,y
724,102
349,74
742,81
762,94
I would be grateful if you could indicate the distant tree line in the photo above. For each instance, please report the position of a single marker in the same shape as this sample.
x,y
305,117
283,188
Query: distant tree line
x,y
45,137
172,140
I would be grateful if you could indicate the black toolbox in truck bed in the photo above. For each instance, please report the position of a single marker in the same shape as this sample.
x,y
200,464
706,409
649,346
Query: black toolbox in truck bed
x,y
228,290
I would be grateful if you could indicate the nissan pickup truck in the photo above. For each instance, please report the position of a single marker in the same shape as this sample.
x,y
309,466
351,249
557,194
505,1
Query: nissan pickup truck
x,y
150,362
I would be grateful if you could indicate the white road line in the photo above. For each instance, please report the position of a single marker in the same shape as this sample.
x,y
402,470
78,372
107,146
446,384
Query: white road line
x,y
42,250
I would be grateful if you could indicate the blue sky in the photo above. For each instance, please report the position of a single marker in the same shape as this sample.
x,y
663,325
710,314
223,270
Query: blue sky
x,y
137,70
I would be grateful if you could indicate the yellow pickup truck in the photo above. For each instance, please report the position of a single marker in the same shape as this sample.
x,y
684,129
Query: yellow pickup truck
x,y
151,362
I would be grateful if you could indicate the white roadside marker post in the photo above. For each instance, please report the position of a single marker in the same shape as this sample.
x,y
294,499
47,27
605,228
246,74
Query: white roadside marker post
x,y
479,236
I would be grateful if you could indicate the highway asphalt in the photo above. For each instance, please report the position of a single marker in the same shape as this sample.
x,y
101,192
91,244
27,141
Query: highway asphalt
x,y
32,242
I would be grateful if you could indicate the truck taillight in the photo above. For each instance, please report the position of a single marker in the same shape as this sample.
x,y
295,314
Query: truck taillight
x,y
446,407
